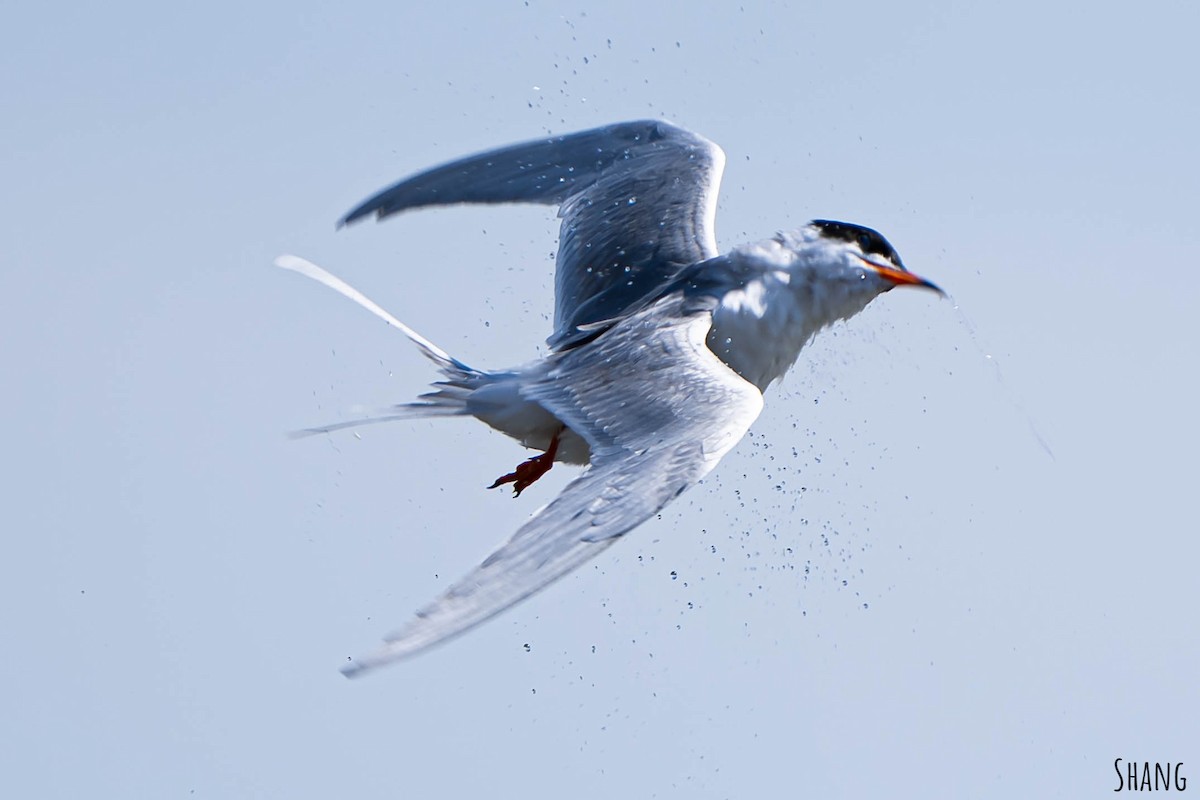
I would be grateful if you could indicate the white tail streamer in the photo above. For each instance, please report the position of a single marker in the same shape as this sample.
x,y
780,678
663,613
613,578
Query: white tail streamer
x,y
310,270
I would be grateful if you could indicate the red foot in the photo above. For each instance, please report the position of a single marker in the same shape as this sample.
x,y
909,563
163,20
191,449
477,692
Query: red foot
x,y
529,471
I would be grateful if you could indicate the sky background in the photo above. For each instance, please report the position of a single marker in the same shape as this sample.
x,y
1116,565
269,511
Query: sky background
x,y
956,556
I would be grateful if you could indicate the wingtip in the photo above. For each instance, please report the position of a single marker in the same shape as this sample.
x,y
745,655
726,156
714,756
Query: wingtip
x,y
357,667
356,215
353,670
392,651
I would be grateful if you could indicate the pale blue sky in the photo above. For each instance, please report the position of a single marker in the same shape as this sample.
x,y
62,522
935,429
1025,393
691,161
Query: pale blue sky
x,y
888,589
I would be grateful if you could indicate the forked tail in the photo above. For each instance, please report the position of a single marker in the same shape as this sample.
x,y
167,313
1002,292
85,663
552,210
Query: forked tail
x,y
450,395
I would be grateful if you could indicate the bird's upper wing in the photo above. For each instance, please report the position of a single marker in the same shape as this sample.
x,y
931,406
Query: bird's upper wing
x,y
658,409
637,201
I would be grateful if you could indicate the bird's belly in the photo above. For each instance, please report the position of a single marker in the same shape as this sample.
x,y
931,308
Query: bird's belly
x,y
501,406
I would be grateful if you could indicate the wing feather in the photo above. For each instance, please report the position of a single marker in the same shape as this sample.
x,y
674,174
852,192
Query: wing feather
x,y
637,201
659,411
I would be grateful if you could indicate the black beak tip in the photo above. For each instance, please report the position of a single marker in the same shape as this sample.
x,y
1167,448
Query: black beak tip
x,y
932,286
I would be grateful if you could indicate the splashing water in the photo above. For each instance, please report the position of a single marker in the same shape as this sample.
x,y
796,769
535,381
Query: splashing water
x,y
984,351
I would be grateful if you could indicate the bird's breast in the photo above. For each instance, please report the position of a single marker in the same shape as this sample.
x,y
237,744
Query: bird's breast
x,y
760,327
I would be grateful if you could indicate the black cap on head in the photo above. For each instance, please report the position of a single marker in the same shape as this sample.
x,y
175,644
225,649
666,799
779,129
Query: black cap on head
x,y
870,240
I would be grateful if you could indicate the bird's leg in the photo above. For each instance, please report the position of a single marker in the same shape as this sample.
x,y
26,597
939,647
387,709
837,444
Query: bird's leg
x,y
529,471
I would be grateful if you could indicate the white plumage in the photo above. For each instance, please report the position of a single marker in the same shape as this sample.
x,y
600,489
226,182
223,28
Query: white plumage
x,y
661,350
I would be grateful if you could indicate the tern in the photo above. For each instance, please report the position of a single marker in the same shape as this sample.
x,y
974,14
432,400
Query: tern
x,y
661,350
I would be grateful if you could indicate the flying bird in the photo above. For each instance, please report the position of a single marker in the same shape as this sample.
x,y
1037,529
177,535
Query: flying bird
x,y
661,350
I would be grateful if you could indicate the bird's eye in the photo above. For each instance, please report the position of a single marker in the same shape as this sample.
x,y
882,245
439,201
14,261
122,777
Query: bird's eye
x,y
864,242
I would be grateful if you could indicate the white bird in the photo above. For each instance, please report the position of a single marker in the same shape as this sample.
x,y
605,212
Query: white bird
x,y
661,350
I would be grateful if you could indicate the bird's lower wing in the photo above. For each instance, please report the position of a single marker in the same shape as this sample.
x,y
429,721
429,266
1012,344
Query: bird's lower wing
x,y
590,514
659,411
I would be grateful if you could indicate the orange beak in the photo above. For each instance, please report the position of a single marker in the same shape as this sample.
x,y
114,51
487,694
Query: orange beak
x,y
901,277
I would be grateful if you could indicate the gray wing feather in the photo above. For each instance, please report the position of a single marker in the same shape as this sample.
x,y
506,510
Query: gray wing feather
x,y
637,201
659,411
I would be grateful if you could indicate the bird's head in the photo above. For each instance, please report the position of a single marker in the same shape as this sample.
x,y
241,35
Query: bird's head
x,y
841,267
849,252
